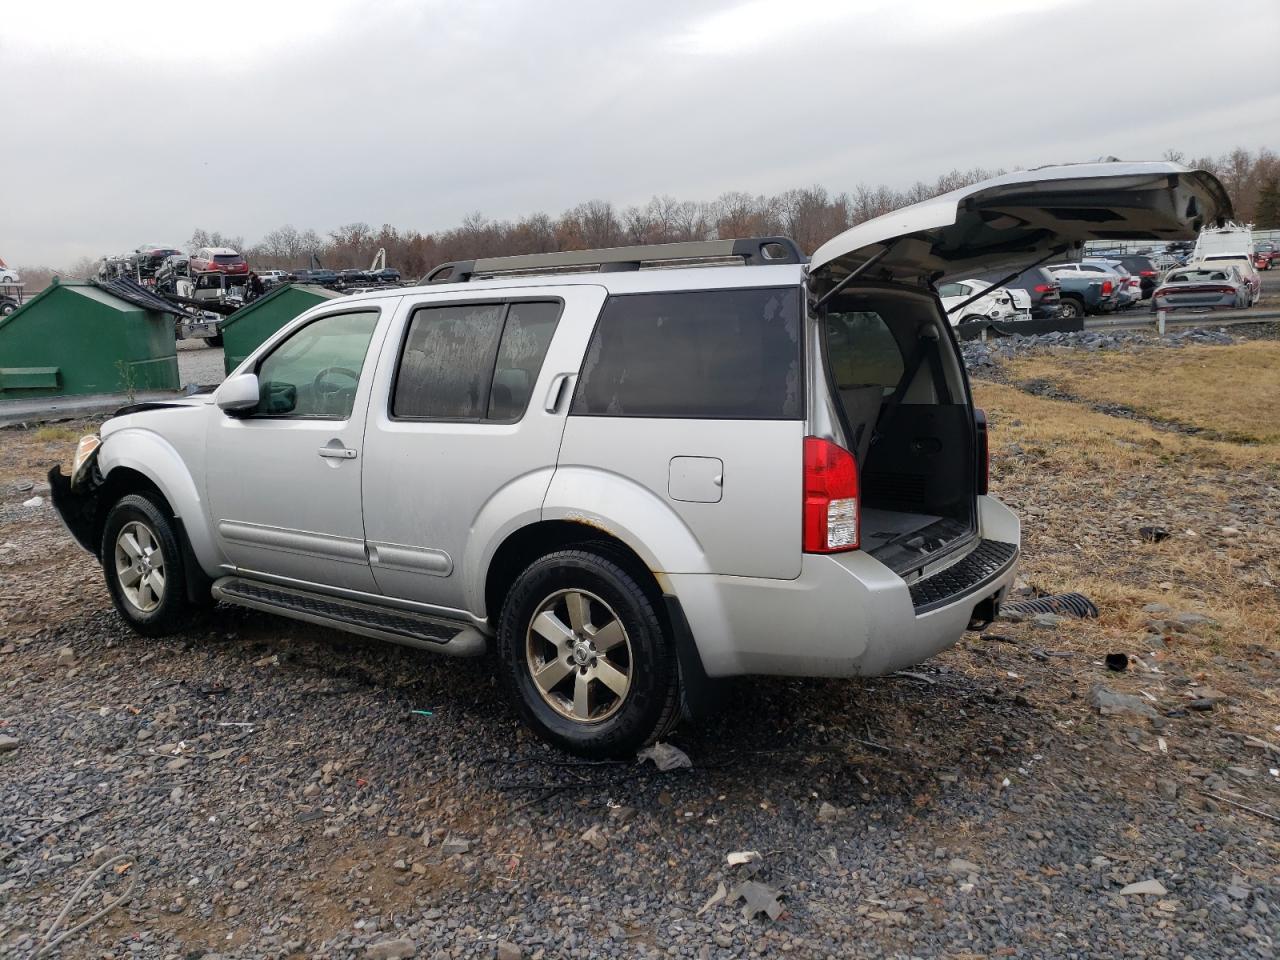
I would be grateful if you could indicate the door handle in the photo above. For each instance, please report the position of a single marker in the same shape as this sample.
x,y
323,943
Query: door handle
x,y
557,391
337,453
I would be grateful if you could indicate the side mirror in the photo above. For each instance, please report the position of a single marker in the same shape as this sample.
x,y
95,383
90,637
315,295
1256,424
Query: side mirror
x,y
238,395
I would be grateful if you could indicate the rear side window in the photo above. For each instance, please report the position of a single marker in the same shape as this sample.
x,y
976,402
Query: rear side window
x,y
716,354
862,352
473,361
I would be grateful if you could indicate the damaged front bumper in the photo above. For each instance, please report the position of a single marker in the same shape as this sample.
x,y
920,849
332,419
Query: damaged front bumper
x,y
75,498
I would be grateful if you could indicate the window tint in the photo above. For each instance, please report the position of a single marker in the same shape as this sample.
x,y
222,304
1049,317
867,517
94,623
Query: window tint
x,y
448,362
953,290
525,339
862,352
473,361
315,373
724,354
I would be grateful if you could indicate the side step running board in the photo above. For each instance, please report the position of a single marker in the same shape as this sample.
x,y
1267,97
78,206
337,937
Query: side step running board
x,y
381,623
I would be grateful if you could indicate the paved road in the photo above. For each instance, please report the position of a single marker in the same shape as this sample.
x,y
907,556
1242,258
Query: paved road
x,y
198,363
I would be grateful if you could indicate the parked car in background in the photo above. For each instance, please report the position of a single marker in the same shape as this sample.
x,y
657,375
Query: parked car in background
x,y
999,303
1202,287
1130,289
354,276
1044,293
272,277
1242,262
218,260
1264,254
7,305
1085,294
8,274
1141,266
320,277
150,256
173,269
386,275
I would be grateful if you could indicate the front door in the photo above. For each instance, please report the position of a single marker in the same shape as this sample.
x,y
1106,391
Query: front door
x,y
284,480
463,436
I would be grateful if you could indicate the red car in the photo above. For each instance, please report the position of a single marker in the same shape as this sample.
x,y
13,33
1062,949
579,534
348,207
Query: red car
x,y
218,260
1264,255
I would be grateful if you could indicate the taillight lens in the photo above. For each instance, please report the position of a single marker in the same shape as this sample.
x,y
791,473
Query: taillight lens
x,y
1147,273
1043,288
1106,287
984,452
831,520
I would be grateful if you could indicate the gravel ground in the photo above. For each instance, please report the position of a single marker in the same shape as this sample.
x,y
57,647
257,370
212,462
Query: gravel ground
x,y
199,364
276,790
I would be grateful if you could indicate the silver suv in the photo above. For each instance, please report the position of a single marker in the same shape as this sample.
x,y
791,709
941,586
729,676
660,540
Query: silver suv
x,y
625,471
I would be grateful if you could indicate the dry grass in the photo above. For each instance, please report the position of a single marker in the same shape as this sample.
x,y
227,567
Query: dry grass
x,y
1085,482
1234,391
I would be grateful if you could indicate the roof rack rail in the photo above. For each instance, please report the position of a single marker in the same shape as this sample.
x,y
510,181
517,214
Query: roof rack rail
x,y
752,251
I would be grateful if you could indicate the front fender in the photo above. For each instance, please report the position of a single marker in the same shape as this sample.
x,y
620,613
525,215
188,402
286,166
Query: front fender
x,y
159,461
628,511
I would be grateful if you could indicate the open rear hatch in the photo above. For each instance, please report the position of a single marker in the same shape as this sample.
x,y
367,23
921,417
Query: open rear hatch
x,y
890,358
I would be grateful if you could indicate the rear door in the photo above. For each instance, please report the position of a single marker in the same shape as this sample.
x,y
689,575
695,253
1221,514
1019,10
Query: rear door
x,y
468,410
693,402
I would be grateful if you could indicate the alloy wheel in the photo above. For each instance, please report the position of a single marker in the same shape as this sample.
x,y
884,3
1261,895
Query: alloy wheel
x,y
140,566
579,656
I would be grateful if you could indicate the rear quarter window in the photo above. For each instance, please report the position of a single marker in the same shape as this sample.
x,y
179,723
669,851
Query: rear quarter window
x,y
705,354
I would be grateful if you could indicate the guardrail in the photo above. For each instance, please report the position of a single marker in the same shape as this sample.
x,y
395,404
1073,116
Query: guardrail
x,y
1174,318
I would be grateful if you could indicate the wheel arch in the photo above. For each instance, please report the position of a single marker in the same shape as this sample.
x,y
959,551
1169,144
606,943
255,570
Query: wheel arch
x,y
525,545
136,461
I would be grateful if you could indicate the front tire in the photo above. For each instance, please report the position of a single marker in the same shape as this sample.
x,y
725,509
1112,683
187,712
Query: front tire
x,y
142,563
1071,309
583,651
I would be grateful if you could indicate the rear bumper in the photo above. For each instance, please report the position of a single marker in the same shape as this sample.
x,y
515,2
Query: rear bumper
x,y
846,614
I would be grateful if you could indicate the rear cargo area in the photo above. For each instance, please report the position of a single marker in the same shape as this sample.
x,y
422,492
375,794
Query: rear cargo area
x,y
903,404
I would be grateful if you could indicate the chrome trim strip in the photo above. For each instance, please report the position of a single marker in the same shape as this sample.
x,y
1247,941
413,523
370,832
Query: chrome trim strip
x,y
399,556
328,546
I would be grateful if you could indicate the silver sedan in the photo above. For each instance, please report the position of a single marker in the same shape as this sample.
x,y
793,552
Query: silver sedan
x,y
1203,289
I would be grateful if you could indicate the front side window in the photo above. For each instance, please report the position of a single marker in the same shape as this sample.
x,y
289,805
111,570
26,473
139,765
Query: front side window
x,y
713,354
473,361
953,290
315,373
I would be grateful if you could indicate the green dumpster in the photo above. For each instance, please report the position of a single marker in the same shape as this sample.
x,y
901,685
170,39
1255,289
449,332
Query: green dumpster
x,y
76,338
246,329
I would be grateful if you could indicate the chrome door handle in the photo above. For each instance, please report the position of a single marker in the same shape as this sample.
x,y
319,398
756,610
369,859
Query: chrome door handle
x,y
337,453
556,394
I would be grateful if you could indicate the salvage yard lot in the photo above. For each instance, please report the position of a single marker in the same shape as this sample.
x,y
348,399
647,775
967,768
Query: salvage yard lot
x,y
276,794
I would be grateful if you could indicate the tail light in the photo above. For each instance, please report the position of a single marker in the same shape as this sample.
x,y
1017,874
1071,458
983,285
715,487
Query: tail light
x,y
1147,273
984,452
1106,287
1043,288
831,518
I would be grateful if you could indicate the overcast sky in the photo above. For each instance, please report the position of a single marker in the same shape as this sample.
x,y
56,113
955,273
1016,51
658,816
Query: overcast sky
x,y
137,122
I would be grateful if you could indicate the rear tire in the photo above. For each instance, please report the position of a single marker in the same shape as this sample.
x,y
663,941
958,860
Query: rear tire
x,y
1071,309
585,656
143,567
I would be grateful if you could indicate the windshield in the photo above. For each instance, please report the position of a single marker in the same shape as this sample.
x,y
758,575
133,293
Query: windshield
x,y
1193,276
